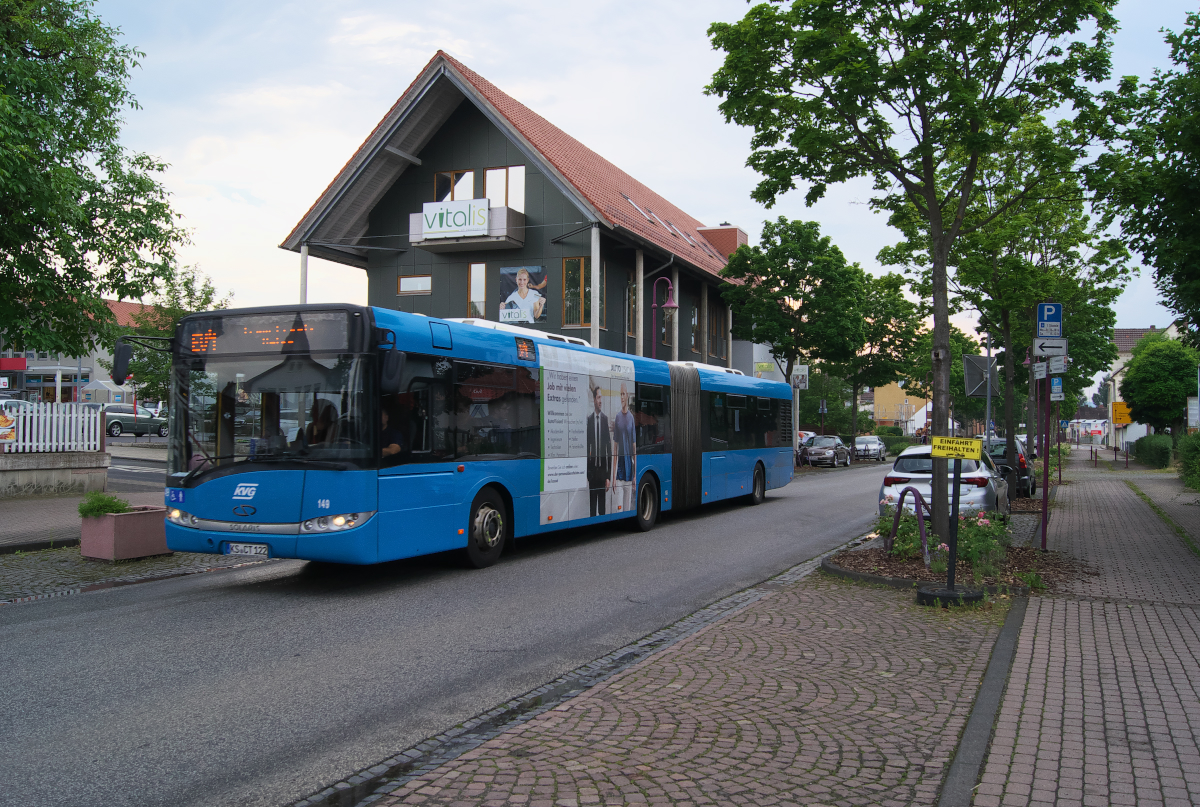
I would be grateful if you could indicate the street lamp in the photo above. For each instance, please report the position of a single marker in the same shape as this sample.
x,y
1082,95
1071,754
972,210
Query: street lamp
x,y
669,305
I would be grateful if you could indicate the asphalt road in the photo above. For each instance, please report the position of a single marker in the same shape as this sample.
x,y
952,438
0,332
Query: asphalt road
x,y
261,686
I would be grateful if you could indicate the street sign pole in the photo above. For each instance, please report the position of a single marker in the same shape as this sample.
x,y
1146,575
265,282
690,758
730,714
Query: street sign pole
x,y
1046,468
957,449
953,526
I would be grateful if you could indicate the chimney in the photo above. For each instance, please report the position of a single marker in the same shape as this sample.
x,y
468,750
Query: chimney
x,y
726,238
1151,327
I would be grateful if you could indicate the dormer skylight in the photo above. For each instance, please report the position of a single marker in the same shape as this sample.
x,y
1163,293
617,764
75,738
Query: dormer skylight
x,y
635,207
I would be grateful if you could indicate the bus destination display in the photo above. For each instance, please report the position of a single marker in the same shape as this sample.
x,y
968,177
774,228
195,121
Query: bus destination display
x,y
267,333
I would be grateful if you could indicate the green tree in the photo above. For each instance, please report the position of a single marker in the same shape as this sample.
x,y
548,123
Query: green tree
x,y
837,89
1041,249
1160,376
184,292
797,295
890,325
1150,175
81,218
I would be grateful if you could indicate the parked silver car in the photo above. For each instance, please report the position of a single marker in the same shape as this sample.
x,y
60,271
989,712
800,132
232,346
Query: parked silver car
x,y
869,447
982,485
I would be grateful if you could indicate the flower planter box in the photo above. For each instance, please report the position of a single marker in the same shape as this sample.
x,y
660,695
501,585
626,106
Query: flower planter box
x,y
140,533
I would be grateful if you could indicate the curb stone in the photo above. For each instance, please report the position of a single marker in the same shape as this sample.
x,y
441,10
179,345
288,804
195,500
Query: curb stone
x,y
126,581
958,788
376,781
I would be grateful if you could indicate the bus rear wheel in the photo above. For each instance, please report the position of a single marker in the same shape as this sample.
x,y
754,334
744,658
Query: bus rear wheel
x,y
647,504
489,529
758,491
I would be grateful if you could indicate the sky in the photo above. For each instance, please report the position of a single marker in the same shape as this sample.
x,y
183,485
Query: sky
x,y
256,106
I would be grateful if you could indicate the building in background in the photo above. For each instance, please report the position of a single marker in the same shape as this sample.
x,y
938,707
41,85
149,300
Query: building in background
x,y
465,203
50,377
894,406
1125,339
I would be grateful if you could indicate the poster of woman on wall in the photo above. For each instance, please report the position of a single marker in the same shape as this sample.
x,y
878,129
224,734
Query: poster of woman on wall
x,y
522,294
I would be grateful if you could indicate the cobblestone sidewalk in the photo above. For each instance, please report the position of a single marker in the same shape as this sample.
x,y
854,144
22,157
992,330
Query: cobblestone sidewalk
x,y
1103,701
825,692
59,571
52,518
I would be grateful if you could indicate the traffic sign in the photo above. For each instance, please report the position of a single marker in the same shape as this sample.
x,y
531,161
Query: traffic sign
x,y
1039,370
1062,424
957,448
1049,347
1056,389
975,376
1058,364
1120,413
1049,319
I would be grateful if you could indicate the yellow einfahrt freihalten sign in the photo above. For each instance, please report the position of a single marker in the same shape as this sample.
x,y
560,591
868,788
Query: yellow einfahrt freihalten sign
x,y
957,448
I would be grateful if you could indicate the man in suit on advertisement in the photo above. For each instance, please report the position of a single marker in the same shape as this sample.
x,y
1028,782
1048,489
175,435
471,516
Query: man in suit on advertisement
x,y
599,454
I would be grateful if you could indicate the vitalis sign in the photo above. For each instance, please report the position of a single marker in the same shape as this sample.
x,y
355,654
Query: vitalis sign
x,y
454,219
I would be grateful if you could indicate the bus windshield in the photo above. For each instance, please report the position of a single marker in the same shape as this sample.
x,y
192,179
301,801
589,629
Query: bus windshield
x,y
299,408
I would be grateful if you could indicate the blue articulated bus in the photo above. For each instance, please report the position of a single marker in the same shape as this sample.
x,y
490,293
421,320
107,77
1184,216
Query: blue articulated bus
x,y
359,435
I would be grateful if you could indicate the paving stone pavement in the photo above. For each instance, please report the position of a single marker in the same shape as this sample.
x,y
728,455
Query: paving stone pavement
x,y
1102,704
825,692
52,518
60,571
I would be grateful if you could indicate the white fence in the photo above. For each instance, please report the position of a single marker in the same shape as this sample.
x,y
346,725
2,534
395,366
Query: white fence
x,y
45,427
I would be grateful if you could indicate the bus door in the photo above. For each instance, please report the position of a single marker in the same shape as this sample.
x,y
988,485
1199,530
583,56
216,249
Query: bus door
x,y
420,487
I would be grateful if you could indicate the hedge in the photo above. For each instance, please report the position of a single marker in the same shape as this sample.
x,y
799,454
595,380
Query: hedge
x,y
895,444
893,431
1153,450
1189,460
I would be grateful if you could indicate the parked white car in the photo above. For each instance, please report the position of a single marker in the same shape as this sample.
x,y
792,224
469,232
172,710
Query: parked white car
x,y
982,485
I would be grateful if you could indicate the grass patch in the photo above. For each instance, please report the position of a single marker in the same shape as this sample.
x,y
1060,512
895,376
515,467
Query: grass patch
x,y
1170,522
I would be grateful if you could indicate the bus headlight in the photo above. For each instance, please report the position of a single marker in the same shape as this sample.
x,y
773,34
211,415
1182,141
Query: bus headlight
x,y
177,516
343,521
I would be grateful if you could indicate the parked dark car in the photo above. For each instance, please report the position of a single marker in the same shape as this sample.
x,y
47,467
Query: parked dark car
x,y
1024,484
825,450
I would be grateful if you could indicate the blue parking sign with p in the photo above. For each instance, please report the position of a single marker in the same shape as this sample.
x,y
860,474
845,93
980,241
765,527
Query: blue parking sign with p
x,y
1056,385
1049,319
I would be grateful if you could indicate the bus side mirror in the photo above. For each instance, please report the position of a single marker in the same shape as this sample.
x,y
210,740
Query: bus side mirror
x,y
122,354
392,370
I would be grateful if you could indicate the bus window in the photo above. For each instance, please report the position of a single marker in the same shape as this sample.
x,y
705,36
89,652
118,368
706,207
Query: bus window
x,y
652,416
497,412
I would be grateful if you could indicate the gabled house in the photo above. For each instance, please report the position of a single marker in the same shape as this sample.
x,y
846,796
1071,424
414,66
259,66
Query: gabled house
x,y
462,202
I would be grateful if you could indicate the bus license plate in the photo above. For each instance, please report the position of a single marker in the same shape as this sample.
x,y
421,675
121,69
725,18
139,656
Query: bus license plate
x,y
255,550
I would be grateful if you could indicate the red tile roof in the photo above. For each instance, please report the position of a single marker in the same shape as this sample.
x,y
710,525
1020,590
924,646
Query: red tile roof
x,y
1126,338
124,311
603,184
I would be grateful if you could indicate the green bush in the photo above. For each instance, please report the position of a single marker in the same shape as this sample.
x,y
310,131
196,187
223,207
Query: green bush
x,y
895,444
889,431
1189,460
908,538
1153,450
96,504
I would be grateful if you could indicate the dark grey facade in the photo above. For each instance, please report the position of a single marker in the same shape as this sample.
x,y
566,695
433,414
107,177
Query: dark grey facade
x,y
369,218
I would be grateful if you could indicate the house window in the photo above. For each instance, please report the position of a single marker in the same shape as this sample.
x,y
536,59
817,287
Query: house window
x,y
696,329
477,291
414,284
452,186
716,331
505,187
577,293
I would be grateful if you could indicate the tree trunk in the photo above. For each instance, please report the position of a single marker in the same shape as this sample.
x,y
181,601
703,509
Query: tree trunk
x,y
940,363
1010,375
854,388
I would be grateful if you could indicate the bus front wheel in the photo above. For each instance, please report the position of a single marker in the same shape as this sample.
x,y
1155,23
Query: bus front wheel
x,y
647,503
489,529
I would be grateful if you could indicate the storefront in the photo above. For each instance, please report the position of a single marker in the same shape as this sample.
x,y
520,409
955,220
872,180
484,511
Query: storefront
x,y
465,203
